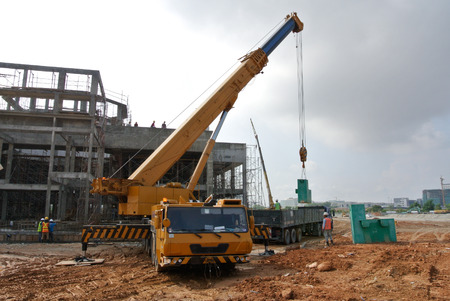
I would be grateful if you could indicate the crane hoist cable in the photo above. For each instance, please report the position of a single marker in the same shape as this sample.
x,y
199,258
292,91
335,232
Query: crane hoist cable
x,y
301,103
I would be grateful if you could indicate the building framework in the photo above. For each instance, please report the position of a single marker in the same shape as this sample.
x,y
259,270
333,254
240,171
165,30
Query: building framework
x,y
60,128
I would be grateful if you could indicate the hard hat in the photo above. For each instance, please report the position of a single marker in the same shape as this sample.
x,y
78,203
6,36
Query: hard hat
x,y
325,213
46,217
42,219
51,220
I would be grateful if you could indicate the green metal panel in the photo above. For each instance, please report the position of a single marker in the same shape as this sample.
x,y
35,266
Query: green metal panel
x,y
303,192
370,231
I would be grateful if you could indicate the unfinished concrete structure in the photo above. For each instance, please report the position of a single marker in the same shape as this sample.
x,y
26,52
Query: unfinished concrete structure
x,y
59,129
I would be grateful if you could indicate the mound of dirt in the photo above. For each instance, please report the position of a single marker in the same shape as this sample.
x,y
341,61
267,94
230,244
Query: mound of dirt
x,y
414,268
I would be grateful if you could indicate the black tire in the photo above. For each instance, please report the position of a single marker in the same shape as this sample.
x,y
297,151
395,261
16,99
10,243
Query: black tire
x,y
319,229
287,237
299,235
148,246
153,254
293,235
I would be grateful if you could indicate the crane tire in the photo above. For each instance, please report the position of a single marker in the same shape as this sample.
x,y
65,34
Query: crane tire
x,y
287,237
293,235
319,229
299,234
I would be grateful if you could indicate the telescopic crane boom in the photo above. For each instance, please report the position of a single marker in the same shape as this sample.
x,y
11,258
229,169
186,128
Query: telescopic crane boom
x,y
171,150
182,232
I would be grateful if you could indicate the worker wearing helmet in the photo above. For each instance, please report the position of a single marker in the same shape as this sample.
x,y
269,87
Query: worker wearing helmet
x,y
45,230
51,226
39,229
277,205
327,228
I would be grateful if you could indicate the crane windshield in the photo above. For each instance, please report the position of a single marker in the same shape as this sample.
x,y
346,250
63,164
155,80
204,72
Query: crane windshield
x,y
207,219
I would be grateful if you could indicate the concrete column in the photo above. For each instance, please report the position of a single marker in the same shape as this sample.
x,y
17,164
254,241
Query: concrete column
x,y
89,169
4,195
4,205
1,150
60,201
73,156
94,91
32,104
233,179
244,183
50,170
7,178
62,206
100,161
25,78
57,105
9,162
209,176
62,80
223,182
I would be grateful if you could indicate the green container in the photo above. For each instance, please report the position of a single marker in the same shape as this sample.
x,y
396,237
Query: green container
x,y
370,231
303,192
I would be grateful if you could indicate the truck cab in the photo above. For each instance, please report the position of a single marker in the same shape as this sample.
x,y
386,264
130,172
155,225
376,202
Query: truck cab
x,y
200,233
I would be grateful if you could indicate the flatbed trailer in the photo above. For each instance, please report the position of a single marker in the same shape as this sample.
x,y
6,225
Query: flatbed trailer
x,y
287,225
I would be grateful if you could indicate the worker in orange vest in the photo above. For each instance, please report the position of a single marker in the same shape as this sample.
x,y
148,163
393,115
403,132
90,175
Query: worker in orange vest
x,y
327,228
45,230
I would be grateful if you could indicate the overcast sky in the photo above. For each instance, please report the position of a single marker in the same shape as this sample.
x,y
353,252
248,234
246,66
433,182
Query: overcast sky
x,y
376,79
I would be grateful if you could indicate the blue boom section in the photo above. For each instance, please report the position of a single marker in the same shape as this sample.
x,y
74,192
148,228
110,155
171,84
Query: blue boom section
x,y
279,36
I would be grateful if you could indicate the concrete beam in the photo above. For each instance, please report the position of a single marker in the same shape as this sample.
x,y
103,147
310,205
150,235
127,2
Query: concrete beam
x,y
44,129
71,175
28,187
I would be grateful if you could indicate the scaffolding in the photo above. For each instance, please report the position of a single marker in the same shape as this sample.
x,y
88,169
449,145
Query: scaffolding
x,y
59,129
255,190
52,124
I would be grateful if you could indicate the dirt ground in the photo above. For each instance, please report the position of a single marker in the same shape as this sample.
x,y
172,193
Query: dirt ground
x,y
414,268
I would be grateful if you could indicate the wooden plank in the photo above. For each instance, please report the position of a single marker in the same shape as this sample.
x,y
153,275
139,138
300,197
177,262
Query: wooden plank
x,y
73,262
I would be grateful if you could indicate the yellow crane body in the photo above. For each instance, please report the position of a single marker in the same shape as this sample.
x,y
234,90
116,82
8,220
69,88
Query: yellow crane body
x,y
183,230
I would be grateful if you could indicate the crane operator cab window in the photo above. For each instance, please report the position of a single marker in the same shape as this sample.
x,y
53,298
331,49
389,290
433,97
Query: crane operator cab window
x,y
201,219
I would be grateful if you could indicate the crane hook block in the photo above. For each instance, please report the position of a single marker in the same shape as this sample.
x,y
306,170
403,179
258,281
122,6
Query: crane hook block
x,y
303,154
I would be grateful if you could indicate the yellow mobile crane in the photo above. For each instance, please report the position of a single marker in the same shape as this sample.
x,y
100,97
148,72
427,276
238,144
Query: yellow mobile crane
x,y
182,231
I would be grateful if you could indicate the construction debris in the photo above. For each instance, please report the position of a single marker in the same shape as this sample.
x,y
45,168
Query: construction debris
x,y
414,268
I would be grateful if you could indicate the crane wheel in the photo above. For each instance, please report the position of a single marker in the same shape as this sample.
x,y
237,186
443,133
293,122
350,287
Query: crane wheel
x,y
299,234
155,262
287,237
293,236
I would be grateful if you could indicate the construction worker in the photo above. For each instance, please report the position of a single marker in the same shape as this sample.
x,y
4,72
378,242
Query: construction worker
x,y
39,229
327,228
51,227
45,230
277,205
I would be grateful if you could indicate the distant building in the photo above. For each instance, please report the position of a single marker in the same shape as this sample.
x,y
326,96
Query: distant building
x,y
401,202
436,195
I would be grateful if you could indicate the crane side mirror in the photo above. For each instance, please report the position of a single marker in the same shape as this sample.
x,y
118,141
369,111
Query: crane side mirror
x,y
166,222
252,222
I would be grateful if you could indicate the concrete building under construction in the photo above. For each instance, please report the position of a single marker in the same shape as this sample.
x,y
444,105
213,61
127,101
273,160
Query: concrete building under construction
x,y
60,128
